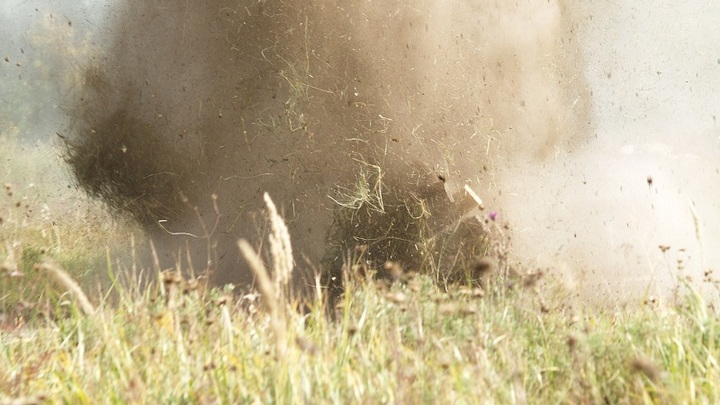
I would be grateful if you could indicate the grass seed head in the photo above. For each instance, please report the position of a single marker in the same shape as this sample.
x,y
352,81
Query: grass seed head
x,y
171,277
646,366
447,308
394,270
352,329
396,297
306,345
572,341
468,310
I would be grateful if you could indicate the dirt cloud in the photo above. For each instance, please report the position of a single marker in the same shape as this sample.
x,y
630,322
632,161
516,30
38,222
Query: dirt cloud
x,y
648,174
197,109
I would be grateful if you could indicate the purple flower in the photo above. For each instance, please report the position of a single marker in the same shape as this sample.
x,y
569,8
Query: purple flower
x,y
492,215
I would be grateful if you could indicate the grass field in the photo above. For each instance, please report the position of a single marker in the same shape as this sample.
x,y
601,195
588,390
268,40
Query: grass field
x,y
522,339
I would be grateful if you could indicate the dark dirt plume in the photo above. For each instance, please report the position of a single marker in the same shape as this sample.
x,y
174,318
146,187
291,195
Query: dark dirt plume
x,y
363,121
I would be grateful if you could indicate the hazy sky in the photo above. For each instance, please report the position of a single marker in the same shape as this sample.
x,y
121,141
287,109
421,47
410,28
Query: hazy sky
x,y
42,41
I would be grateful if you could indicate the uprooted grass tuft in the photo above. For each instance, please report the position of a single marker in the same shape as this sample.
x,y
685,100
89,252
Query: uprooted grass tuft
x,y
389,226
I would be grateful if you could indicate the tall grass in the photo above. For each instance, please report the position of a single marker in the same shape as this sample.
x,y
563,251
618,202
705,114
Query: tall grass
x,y
392,344
43,215
401,341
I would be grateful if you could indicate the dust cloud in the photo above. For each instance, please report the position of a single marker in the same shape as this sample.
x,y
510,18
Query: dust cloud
x,y
648,176
588,125
195,111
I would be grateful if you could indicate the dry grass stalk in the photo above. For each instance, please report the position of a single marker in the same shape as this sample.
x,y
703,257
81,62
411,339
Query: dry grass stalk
x,y
698,233
31,400
267,290
63,278
280,248
261,276
274,291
